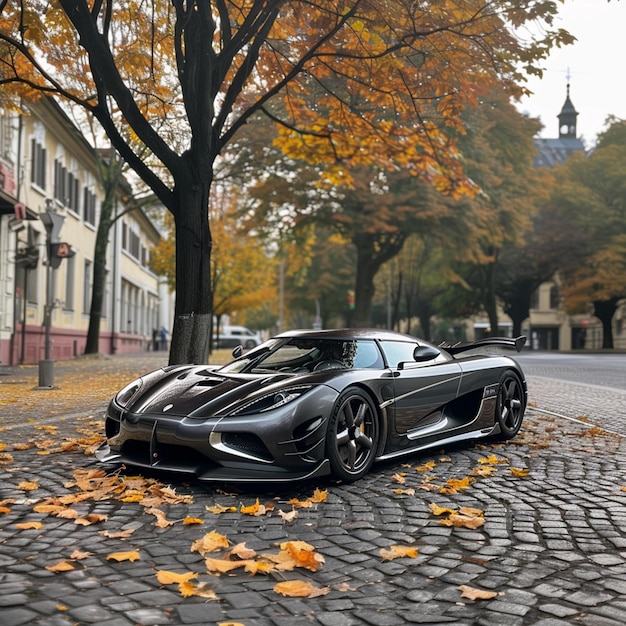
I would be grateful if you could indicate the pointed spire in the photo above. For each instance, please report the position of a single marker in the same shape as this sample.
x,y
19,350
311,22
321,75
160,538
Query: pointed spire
x,y
567,117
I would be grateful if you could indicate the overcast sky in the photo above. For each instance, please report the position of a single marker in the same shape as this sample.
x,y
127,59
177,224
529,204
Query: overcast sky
x,y
595,63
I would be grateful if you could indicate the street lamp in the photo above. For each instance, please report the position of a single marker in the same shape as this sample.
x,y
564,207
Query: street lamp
x,y
53,223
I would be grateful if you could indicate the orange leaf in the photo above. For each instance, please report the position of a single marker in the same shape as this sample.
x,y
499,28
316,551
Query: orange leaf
x,y
193,520
211,542
397,552
91,518
28,485
61,566
77,554
171,578
519,472
131,555
476,594
29,525
188,590
216,509
300,589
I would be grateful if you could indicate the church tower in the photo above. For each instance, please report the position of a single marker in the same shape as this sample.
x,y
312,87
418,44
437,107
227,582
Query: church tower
x,y
567,119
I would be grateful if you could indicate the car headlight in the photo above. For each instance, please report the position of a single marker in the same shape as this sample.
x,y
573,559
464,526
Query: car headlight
x,y
125,395
271,401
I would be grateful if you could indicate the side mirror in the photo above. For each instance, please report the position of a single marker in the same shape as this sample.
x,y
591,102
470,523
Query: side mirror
x,y
422,354
237,351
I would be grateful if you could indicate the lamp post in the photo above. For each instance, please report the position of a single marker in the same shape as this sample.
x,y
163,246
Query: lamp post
x,y
53,223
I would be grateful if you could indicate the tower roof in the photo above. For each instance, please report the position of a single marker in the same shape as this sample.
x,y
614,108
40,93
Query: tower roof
x,y
567,118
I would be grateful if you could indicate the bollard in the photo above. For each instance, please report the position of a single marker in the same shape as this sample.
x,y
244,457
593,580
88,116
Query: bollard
x,y
46,374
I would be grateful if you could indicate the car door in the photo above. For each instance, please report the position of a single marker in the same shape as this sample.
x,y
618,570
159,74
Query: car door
x,y
421,388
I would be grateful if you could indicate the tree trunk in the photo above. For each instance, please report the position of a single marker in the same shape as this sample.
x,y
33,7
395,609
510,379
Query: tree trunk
x,y
192,317
92,344
604,310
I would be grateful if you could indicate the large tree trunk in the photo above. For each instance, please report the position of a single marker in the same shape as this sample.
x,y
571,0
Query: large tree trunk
x,y
192,317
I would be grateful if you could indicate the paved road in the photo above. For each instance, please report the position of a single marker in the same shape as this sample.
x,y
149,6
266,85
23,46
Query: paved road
x,y
552,549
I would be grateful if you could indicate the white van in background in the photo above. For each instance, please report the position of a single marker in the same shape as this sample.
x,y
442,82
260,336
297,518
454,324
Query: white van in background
x,y
232,336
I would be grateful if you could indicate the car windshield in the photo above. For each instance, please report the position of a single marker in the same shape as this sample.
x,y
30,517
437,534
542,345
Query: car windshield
x,y
299,355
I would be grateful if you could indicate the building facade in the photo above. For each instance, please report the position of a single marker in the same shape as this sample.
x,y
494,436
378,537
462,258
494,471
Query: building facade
x,y
51,193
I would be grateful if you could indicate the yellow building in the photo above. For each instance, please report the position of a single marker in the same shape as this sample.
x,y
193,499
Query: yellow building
x,y
57,183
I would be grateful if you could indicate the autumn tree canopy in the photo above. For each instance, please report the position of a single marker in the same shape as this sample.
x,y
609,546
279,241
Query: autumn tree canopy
x,y
349,82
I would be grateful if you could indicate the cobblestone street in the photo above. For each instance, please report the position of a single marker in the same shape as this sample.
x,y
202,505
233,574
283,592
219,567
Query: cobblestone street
x,y
552,547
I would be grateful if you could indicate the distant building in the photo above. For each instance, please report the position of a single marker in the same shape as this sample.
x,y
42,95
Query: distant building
x,y
47,166
549,326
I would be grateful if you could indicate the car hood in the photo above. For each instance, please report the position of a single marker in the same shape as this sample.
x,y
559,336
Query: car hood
x,y
200,392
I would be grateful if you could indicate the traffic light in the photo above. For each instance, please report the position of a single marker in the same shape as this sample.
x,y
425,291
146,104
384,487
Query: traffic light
x,y
60,251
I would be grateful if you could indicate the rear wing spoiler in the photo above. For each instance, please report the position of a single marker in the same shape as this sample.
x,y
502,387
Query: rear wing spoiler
x,y
502,342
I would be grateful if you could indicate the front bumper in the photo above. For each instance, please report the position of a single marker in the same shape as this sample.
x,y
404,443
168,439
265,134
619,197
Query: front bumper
x,y
281,445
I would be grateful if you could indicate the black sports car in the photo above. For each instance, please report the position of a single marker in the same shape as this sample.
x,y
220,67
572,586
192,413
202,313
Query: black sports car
x,y
311,403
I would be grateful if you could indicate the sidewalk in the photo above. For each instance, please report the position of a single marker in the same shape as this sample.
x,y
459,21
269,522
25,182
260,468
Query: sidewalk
x,y
79,545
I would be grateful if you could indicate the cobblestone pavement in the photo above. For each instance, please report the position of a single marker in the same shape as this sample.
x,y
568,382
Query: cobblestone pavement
x,y
552,548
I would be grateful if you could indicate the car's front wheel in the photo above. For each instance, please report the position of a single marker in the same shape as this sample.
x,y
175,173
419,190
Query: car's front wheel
x,y
511,404
353,435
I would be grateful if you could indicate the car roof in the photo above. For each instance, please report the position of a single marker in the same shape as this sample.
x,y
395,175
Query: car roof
x,y
350,333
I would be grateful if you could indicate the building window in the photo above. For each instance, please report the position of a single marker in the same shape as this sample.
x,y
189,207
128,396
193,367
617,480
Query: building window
x,y
37,163
89,206
534,299
6,135
554,297
60,182
73,199
87,287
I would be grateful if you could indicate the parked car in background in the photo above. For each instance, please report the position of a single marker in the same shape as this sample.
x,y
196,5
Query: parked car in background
x,y
232,336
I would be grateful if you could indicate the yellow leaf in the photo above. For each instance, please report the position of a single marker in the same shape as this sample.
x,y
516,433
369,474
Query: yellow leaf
x,y
396,552
91,518
492,459
300,589
77,555
319,495
171,578
193,520
216,509
5,509
463,521
211,542
476,594
484,471
223,566
255,567
405,492
29,525
28,485
188,590
439,510
288,517
425,467
519,472
131,555
122,534
399,478
240,551
61,566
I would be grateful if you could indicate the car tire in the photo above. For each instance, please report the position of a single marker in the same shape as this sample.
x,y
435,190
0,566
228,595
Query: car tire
x,y
250,344
510,404
353,435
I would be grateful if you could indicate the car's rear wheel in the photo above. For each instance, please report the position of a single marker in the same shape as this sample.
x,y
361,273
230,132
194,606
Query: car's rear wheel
x,y
510,405
353,435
